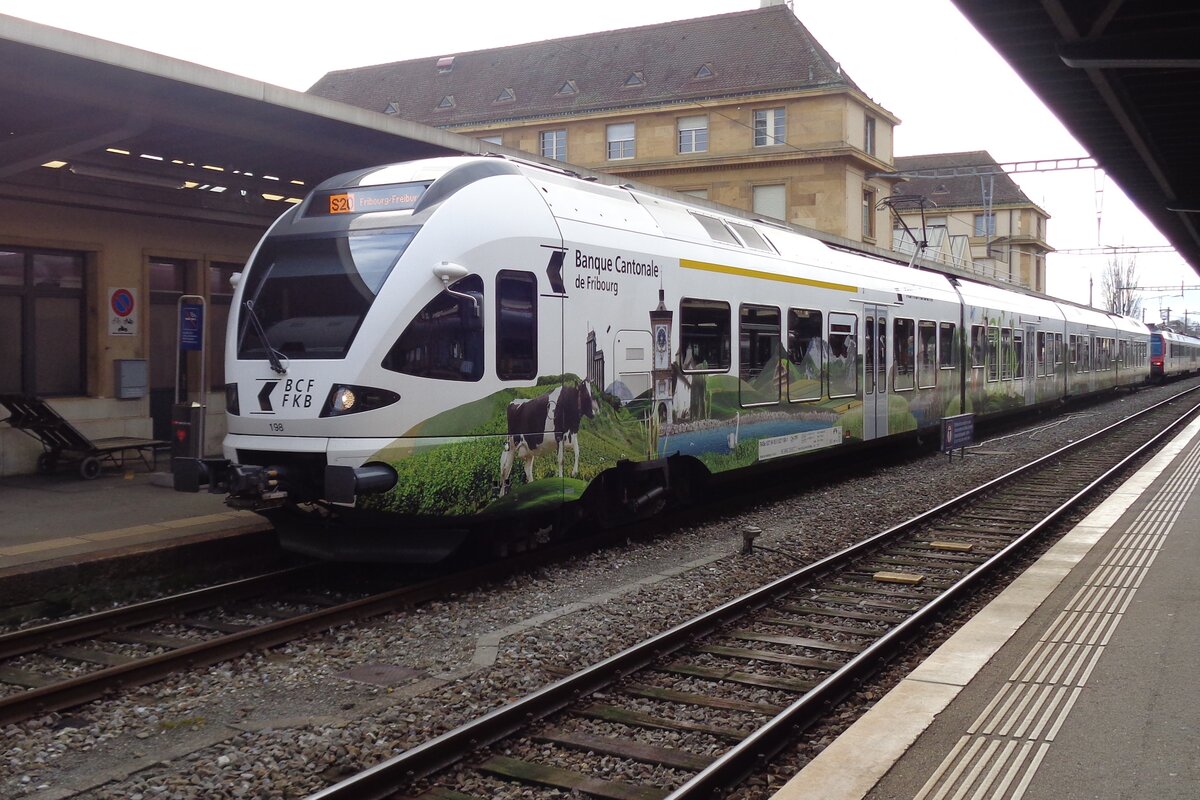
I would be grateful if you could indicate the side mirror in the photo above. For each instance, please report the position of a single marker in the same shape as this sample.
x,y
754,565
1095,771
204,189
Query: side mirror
x,y
448,273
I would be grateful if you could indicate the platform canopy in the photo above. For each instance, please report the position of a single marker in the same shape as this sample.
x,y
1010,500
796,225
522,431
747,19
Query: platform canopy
x,y
125,129
1123,76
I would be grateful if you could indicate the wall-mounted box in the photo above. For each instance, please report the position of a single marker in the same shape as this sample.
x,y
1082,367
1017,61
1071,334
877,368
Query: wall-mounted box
x,y
132,378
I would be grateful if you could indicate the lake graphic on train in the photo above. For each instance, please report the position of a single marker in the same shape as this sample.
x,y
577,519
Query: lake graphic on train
x,y
717,440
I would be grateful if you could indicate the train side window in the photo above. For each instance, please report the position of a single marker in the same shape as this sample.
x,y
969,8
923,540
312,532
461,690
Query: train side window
x,y
947,351
903,352
805,354
445,339
1006,354
1041,353
993,353
1018,353
843,354
978,346
1073,352
516,325
926,354
704,332
759,363
1085,343
1058,349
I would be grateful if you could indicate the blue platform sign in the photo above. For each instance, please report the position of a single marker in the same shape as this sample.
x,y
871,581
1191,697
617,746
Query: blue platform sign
x,y
957,432
191,326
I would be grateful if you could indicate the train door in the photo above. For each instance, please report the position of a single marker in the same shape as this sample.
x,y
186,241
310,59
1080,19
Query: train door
x,y
875,371
1030,365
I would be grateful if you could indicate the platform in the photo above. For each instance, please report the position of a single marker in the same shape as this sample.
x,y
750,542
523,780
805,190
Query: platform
x,y
50,518
1079,680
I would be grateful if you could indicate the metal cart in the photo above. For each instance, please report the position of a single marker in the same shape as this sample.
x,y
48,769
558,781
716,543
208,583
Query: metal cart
x,y
63,444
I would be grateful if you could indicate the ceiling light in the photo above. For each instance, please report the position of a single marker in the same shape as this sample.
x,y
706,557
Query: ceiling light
x,y
55,164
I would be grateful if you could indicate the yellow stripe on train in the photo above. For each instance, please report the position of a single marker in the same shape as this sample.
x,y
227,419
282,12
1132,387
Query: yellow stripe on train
x,y
766,276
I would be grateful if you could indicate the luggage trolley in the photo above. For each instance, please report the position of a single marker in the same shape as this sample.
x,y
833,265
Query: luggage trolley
x,y
63,444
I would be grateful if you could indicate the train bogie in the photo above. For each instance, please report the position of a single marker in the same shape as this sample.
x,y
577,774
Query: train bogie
x,y
423,351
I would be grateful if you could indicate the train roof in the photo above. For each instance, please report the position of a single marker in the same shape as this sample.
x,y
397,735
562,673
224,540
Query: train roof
x,y
775,243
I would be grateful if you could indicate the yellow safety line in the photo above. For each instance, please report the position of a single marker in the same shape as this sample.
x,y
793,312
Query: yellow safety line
x,y
767,276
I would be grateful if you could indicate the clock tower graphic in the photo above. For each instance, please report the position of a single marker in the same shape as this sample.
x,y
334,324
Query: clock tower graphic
x,y
660,374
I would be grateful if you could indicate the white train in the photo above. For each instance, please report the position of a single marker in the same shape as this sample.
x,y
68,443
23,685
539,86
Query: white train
x,y
1173,355
424,350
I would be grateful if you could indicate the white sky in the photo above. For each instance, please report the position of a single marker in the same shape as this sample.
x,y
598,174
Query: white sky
x,y
920,60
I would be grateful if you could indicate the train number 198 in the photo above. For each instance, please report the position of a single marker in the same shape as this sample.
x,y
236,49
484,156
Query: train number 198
x,y
277,427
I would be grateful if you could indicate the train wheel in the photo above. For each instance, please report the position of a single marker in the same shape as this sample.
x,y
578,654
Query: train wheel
x,y
89,468
47,463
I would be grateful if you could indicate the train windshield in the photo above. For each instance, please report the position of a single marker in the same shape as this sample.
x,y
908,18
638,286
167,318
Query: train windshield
x,y
1156,344
310,294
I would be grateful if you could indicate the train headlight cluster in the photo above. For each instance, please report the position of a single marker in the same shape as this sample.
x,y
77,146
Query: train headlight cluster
x,y
346,399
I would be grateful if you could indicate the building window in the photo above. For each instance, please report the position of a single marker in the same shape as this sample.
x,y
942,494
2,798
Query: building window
x,y
868,214
693,134
41,322
620,141
768,127
771,201
554,145
985,224
568,88
869,135
701,193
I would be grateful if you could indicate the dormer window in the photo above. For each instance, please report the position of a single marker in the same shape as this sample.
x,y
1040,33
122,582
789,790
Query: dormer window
x,y
704,73
507,96
568,88
445,64
634,80
446,103
392,108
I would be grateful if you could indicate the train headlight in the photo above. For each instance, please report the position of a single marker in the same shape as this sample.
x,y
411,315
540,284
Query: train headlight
x,y
346,399
343,401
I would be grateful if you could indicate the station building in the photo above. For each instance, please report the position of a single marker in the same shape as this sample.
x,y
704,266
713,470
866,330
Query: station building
x,y
127,181
976,219
744,109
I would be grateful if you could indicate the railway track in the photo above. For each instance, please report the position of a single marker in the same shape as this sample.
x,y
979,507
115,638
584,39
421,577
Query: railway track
x,y
733,686
64,664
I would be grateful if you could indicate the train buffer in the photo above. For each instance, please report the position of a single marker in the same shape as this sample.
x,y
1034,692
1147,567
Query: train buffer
x,y
63,444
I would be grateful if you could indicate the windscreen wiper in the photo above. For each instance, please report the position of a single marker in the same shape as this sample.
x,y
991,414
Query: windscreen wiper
x,y
272,353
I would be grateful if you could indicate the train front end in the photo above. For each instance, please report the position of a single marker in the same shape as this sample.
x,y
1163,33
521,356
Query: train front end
x,y
315,395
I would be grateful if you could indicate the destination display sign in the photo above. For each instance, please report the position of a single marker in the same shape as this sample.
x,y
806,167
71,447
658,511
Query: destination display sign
x,y
365,199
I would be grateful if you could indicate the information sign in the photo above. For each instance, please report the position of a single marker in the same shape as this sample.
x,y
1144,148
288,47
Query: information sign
x,y
957,432
191,326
